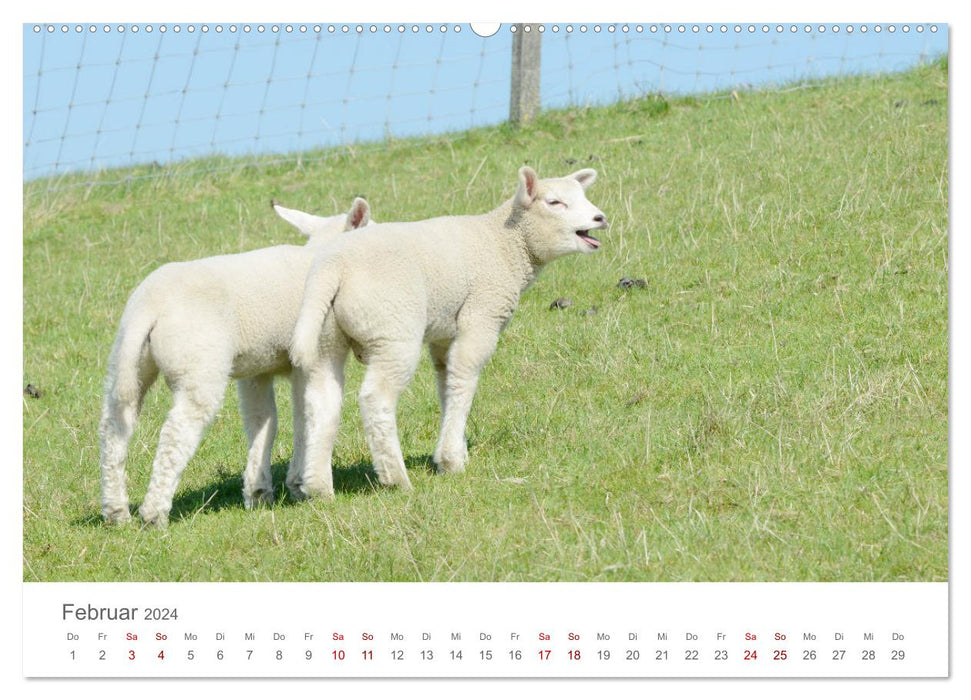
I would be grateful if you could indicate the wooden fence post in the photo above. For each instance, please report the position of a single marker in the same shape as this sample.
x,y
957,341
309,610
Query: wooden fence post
x,y
524,90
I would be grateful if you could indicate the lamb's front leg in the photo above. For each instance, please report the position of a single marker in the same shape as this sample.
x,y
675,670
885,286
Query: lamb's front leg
x,y
258,407
298,456
439,354
468,355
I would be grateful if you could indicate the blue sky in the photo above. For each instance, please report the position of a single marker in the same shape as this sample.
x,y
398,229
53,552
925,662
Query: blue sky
x,y
97,99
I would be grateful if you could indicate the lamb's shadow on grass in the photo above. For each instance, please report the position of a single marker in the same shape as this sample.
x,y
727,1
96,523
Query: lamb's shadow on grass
x,y
360,476
227,492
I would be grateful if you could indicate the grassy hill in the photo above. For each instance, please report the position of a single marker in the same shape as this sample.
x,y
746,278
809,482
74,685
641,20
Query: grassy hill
x,y
771,405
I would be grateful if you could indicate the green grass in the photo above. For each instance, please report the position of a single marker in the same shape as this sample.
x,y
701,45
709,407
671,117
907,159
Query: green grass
x,y
771,406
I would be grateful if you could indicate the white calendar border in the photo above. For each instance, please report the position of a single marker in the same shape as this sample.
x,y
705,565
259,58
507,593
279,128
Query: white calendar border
x,y
828,10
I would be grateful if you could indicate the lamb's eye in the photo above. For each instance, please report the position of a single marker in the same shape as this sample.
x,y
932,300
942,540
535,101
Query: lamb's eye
x,y
555,202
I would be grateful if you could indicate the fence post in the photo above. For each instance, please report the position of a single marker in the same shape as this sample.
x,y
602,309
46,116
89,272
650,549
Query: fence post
x,y
524,90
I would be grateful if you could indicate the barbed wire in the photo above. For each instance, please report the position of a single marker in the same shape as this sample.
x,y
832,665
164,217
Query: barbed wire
x,y
117,96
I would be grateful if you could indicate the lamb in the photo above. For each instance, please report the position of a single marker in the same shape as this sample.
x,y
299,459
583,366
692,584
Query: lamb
x,y
199,324
451,282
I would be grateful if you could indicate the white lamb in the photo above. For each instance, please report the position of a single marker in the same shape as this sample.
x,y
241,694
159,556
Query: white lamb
x,y
451,282
200,323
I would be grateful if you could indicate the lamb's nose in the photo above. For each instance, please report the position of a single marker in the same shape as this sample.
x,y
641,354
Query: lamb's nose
x,y
600,219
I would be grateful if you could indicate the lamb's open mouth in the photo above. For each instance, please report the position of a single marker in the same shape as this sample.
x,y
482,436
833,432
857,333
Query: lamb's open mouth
x,y
588,239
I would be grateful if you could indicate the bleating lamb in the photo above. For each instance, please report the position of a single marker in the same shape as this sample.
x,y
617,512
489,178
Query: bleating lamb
x,y
451,282
201,323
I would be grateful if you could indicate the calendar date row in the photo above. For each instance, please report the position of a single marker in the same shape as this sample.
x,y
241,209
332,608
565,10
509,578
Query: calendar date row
x,y
486,655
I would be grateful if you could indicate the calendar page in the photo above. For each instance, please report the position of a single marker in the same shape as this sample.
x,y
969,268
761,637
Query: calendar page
x,y
444,350
623,630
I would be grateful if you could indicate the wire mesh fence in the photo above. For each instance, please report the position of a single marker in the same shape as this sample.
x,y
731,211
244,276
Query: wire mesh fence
x,y
99,97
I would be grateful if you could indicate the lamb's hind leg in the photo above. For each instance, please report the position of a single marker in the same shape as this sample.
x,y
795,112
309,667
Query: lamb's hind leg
x,y
194,403
257,404
316,419
118,417
387,375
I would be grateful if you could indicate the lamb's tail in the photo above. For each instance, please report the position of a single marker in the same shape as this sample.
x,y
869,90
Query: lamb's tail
x,y
323,282
131,371
129,354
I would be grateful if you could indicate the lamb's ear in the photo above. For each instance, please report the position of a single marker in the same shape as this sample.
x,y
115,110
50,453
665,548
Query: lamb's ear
x,y
359,215
585,177
307,224
528,186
